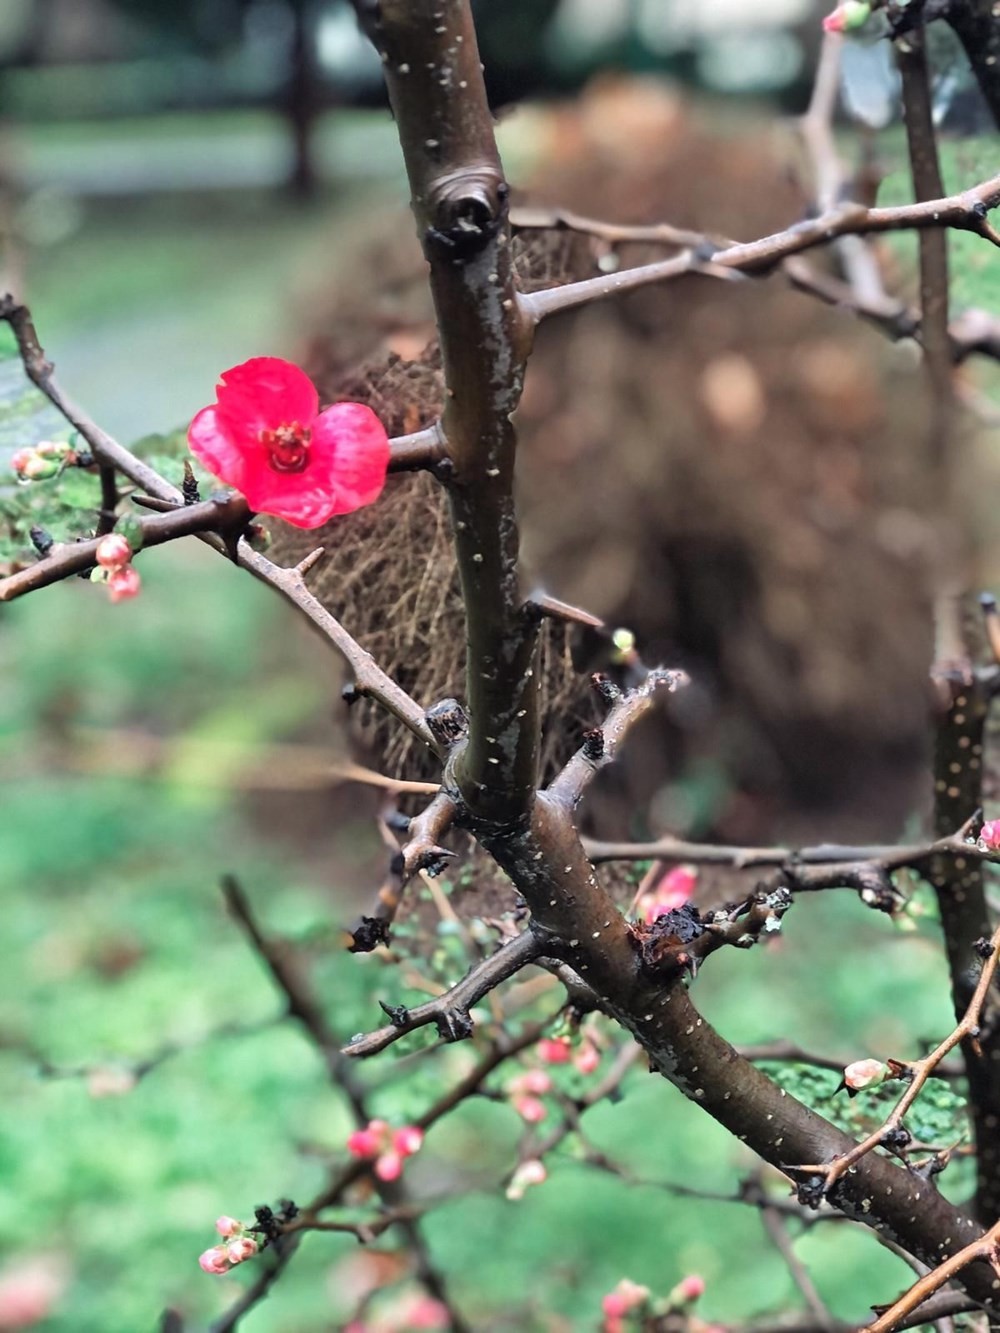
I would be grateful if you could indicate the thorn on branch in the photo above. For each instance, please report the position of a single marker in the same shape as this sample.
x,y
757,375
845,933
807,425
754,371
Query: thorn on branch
x,y
810,1192
310,561
454,1025
593,744
41,540
397,1014
448,722
372,932
605,687
189,486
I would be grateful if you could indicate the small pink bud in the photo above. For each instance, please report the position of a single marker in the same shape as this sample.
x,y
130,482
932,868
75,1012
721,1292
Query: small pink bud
x,y
113,551
426,1312
29,1288
848,16
214,1260
989,836
536,1081
367,1142
626,1297
554,1050
228,1226
531,1172
38,468
865,1074
587,1058
530,1109
124,583
20,460
109,1081
408,1140
244,1247
389,1166
689,1289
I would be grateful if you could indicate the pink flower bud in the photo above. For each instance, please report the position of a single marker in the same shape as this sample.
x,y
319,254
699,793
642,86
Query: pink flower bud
x,y
109,1081
113,551
426,1312
228,1226
531,1172
989,836
244,1247
124,583
389,1166
530,1109
535,1081
848,16
214,1260
689,1289
364,1142
38,468
587,1058
408,1140
20,460
554,1050
29,1288
865,1074
626,1297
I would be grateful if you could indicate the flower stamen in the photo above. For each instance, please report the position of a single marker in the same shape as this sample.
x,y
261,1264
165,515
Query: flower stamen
x,y
287,447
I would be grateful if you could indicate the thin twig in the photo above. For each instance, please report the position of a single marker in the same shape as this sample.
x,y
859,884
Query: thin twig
x,y
966,211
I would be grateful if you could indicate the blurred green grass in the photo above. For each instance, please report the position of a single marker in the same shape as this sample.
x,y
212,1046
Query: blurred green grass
x,y
117,943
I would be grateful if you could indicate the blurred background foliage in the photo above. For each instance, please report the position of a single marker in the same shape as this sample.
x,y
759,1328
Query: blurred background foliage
x,y
169,207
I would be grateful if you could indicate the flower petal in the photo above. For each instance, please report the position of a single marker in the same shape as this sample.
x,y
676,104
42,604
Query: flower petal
x,y
212,443
262,394
350,446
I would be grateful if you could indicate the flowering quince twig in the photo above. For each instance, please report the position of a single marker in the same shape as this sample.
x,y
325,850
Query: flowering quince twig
x,y
237,1247
266,436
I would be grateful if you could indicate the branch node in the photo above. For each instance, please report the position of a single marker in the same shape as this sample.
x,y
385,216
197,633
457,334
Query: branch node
x,y
448,722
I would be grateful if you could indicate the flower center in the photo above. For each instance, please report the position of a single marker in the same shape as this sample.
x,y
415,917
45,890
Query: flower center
x,y
287,447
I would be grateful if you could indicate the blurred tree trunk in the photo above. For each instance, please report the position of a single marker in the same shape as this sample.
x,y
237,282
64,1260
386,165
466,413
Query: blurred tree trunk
x,y
301,101
976,23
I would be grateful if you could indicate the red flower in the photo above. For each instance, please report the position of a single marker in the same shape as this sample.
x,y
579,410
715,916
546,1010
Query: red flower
x,y
266,437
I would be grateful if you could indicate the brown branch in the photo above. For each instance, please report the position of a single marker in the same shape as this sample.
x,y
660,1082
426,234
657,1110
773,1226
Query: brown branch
x,y
601,746
966,211
925,169
222,516
288,582
774,1224
972,331
830,181
783,1051
459,199
450,1012
791,859
919,1071
985,1248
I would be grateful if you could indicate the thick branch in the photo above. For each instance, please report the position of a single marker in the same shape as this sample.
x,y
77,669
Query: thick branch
x,y
459,198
